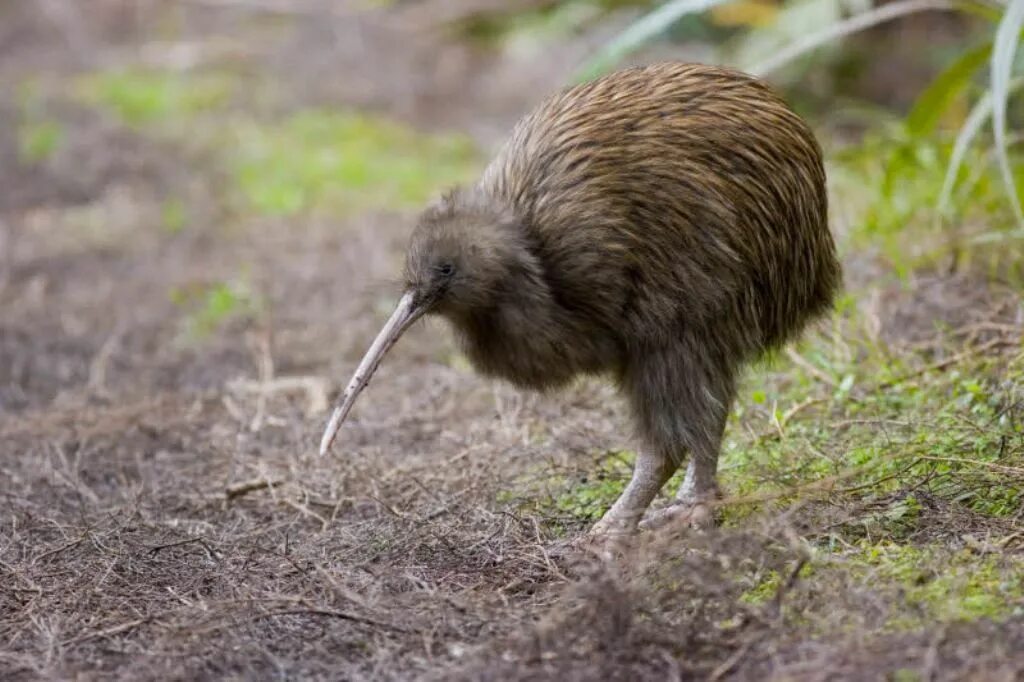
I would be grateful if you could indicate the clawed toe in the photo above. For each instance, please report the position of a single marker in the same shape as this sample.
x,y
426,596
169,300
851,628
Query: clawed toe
x,y
696,514
606,537
609,537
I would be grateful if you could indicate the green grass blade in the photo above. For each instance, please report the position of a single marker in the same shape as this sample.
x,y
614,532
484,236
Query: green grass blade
x,y
990,10
980,112
1006,42
640,32
935,100
859,22
794,20
977,117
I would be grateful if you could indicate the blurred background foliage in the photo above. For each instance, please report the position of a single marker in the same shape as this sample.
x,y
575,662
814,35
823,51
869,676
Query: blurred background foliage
x,y
917,96
915,101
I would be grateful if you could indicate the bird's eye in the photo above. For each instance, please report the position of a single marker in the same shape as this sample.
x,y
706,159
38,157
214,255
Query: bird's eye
x,y
446,269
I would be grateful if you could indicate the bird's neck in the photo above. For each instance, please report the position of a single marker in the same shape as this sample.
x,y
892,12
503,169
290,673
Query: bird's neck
x,y
529,340
514,340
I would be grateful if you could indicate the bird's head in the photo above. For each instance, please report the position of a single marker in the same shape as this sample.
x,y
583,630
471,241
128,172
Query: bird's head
x,y
466,252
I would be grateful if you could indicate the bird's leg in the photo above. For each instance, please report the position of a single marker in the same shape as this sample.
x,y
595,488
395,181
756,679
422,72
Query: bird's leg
x,y
681,399
650,474
700,484
691,504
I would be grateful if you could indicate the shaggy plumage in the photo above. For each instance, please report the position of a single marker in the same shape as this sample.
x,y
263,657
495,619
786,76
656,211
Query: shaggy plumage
x,y
662,225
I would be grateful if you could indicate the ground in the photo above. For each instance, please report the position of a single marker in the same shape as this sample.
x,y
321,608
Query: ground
x,y
199,239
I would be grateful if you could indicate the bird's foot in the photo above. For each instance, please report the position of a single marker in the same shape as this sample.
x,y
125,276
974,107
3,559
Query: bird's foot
x,y
613,525
696,513
607,538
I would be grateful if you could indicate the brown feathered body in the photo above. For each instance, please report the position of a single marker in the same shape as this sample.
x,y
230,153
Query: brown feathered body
x,y
662,225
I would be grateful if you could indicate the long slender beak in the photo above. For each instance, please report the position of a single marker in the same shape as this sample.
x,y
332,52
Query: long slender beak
x,y
407,312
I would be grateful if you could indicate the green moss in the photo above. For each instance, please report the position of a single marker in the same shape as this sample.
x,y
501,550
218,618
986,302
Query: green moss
x,y
588,497
763,590
314,160
38,140
342,162
765,586
142,97
571,500
207,307
936,584
173,215
920,585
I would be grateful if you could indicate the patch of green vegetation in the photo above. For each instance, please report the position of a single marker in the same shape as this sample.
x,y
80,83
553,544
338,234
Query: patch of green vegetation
x,y
208,307
579,498
142,97
331,161
920,584
764,589
549,21
899,450
905,675
882,426
173,216
343,162
766,586
568,499
897,180
854,425
38,140
939,585
590,496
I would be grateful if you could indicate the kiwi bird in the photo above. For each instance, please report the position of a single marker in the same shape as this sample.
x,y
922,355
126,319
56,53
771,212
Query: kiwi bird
x,y
662,226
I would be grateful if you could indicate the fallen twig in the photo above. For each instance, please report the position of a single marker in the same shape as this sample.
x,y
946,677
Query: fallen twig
x,y
806,364
786,586
306,511
943,364
728,664
101,361
107,632
328,613
315,388
212,553
1017,471
246,487
58,550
